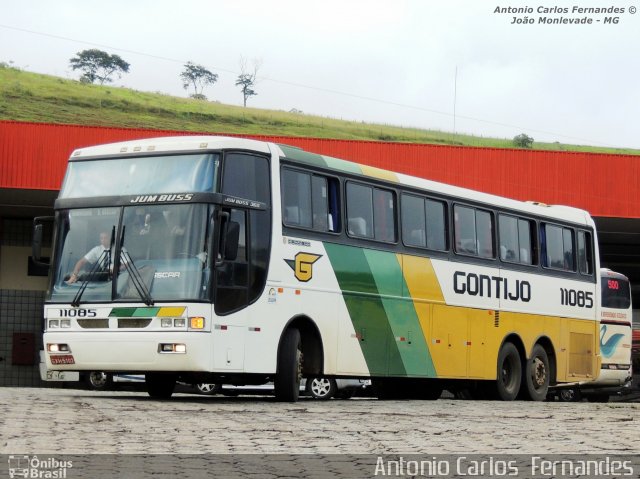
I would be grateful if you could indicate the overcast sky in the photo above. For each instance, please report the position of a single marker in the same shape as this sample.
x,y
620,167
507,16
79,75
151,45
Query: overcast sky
x,y
390,61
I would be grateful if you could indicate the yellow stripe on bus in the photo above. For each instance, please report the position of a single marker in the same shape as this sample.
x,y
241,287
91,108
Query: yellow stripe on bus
x,y
171,311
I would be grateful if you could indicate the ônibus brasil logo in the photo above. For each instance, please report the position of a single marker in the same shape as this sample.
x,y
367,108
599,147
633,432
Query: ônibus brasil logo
x,y
302,265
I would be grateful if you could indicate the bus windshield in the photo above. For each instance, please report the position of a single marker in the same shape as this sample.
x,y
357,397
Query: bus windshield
x,y
158,250
616,293
141,175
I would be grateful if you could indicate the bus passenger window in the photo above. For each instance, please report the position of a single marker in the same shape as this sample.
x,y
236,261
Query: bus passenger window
x,y
585,255
309,201
515,240
558,243
465,230
360,210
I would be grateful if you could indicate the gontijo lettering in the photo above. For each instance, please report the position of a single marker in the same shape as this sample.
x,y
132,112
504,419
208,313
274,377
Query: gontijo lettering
x,y
491,286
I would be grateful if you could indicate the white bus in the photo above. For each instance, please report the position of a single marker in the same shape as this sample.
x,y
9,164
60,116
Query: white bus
x,y
234,261
615,343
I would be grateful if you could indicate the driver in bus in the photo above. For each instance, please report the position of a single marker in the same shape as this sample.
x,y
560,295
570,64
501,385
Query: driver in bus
x,y
101,253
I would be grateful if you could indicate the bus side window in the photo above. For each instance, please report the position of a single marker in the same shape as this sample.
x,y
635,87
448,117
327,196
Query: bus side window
x,y
246,176
585,253
309,201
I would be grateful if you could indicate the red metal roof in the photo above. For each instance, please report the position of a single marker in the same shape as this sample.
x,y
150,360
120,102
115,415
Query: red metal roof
x,y
34,156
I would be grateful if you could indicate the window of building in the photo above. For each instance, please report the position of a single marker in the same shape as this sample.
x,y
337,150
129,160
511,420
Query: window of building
x,y
423,222
474,232
370,213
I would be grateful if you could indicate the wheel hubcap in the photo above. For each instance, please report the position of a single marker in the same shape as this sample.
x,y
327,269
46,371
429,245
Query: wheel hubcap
x,y
539,373
320,387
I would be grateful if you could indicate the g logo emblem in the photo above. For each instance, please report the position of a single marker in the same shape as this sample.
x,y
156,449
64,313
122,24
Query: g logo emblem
x,y
302,265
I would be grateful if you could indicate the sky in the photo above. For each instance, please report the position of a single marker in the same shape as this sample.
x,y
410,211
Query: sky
x,y
451,65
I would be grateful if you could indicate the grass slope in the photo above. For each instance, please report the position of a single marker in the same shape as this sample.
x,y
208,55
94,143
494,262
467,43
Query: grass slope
x,y
34,97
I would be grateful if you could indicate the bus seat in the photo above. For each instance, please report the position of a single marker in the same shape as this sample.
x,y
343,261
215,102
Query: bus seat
x,y
418,237
358,226
292,215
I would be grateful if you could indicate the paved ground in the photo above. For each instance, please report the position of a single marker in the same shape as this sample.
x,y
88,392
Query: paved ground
x,y
67,421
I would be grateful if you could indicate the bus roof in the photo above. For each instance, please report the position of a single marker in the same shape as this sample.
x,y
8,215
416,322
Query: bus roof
x,y
295,154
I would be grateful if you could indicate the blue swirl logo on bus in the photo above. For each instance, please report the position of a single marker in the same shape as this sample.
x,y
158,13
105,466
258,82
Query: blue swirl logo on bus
x,y
491,286
607,349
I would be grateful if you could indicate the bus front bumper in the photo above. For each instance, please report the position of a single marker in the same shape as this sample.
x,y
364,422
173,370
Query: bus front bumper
x,y
117,351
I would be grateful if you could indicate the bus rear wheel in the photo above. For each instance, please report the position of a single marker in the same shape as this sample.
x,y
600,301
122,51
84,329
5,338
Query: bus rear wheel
x,y
509,372
289,374
159,385
537,375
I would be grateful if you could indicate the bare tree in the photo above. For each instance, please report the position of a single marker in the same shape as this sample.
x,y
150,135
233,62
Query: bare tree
x,y
198,77
247,78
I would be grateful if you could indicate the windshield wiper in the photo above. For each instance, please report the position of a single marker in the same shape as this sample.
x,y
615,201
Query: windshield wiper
x,y
134,274
103,259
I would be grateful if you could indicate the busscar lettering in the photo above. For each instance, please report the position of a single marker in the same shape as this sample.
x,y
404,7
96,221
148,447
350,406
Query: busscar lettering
x,y
491,286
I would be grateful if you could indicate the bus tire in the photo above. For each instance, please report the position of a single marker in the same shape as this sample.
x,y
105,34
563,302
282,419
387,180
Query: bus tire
x,y
99,380
509,372
289,374
537,375
159,385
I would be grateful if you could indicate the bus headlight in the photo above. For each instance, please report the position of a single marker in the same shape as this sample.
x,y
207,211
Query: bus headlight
x,y
54,323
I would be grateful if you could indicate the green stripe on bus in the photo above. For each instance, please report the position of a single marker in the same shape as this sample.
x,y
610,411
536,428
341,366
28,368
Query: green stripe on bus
x,y
368,314
296,154
342,165
402,315
133,312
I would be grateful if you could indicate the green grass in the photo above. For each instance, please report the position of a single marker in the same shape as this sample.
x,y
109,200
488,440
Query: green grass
x,y
26,96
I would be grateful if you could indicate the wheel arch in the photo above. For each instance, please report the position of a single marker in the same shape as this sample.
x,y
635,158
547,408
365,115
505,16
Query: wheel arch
x,y
312,346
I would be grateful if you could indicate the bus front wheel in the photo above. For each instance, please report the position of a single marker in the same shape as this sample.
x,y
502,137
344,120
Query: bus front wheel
x,y
289,374
159,385
509,372
537,375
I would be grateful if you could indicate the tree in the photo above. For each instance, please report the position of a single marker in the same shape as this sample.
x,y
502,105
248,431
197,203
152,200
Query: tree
x,y
198,77
247,79
98,66
523,141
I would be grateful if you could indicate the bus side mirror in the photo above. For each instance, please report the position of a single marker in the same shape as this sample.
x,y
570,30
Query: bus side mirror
x,y
36,245
231,243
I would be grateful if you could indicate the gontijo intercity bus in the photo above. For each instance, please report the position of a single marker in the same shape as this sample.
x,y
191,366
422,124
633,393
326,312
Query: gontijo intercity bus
x,y
236,261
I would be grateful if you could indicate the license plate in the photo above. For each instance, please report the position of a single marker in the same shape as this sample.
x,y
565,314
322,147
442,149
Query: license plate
x,y
62,359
